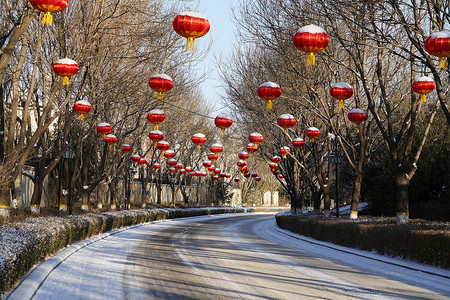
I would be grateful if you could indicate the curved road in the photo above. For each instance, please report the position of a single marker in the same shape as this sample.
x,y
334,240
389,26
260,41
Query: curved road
x,y
229,257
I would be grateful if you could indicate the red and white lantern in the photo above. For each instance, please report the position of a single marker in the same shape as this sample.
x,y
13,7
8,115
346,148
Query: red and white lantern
x,y
276,159
156,136
110,139
207,163
423,85
313,133
297,143
156,117
135,158
65,68
160,83
311,39
82,107
341,91
169,154
104,129
212,156
255,138
156,166
269,91
49,7
215,148
237,180
252,148
284,151
356,116
286,121
162,146
243,155
126,148
191,25
223,121
438,44
198,139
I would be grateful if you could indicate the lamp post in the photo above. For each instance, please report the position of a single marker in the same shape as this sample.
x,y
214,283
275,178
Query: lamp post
x,y
131,171
68,155
336,158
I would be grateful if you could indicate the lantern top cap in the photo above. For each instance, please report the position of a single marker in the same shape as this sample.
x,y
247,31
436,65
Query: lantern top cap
x,y
255,134
342,85
193,14
223,116
286,116
270,84
172,159
156,111
250,144
440,34
66,61
163,142
111,136
103,124
243,152
298,139
135,155
156,132
216,145
356,111
312,129
286,148
163,76
424,78
207,161
201,135
311,29
83,102
126,145
156,164
276,157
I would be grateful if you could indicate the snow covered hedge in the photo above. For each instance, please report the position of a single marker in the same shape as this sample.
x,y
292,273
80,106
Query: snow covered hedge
x,y
24,244
420,241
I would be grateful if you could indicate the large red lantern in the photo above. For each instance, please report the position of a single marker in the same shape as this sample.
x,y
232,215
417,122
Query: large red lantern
x,y
169,154
284,151
217,171
311,39
172,162
255,138
82,107
216,177
65,68
212,168
356,116
215,148
135,158
191,25
162,146
104,129
341,91
188,169
438,44
142,162
110,139
156,117
172,170
276,159
297,143
213,156
269,91
423,85
273,166
160,83
156,166
182,171
179,166
49,7
198,139
207,163
126,148
243,155
252,148
313,133
156,136
286,121
223,121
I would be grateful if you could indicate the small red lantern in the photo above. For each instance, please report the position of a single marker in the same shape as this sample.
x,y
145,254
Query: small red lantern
x,y
276,159
126,148
222,175
182,171
228,175
237,180
257,178
49,7
252,148
244,169
156,136
82,107
423,85
169,154
213,157
241,163
172,162
204,174
284,151
135,158
217,171
254,175
215,148
162,146
156,117
286,121
156,166
311,39
243,155
298,143
65,68
273,166
160,83
356,116
255,138
110,139
341,91
191,25
198,139
188,169
269,91
223,122
104,129
178,166
207,163
247,175
216,177
211,168
280,176
313,133
142,162
438,44
172,170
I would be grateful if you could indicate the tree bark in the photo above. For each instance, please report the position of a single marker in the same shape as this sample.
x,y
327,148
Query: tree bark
x,y
402,185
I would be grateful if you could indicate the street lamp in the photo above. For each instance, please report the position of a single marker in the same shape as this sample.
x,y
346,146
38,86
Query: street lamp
x,y
336,158
68,155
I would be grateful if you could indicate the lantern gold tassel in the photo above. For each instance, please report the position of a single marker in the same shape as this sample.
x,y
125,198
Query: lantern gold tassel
x,y
341,103
312,140
269,104
104,135
310,59
47,19
159,96
155,127
198,147
442,62
155,144
222,131
81,117
423,98
65,80
162,152
357,127
190,43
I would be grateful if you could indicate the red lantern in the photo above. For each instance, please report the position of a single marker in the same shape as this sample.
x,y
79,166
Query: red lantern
x,y
356,116
188,169
312,133
438,44
254,175
126,148
276,159
244,169
191,25
217,171
213,157
222,175
110,139
311,39
198,139
65,68
273,166
207,163
255,138
49,7
135,158
423,85
216,177
142,162
284,151
243,155
252,148
216,148
269,91
257,178
237,180
162,146
228,175
223,121
298,143
280,176
247,175
178,166
169,154
104,129
160,83
204,174
241,163
172,162
156,166
172,170
82,107
156,117
341,91
211,168
156,136
286,121
182,171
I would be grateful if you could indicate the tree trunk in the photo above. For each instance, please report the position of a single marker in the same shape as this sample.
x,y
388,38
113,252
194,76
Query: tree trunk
x,y
356,194
158,190
5,198
85,200
402,185
37,195
112,193
326,201
100,192
316,199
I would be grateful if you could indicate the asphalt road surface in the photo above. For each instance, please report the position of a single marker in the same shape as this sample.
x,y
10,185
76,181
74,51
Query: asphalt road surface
x,y
229,257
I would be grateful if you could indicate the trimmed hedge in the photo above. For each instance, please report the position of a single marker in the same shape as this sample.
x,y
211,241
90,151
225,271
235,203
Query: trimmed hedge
x,y
24,244
418,241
